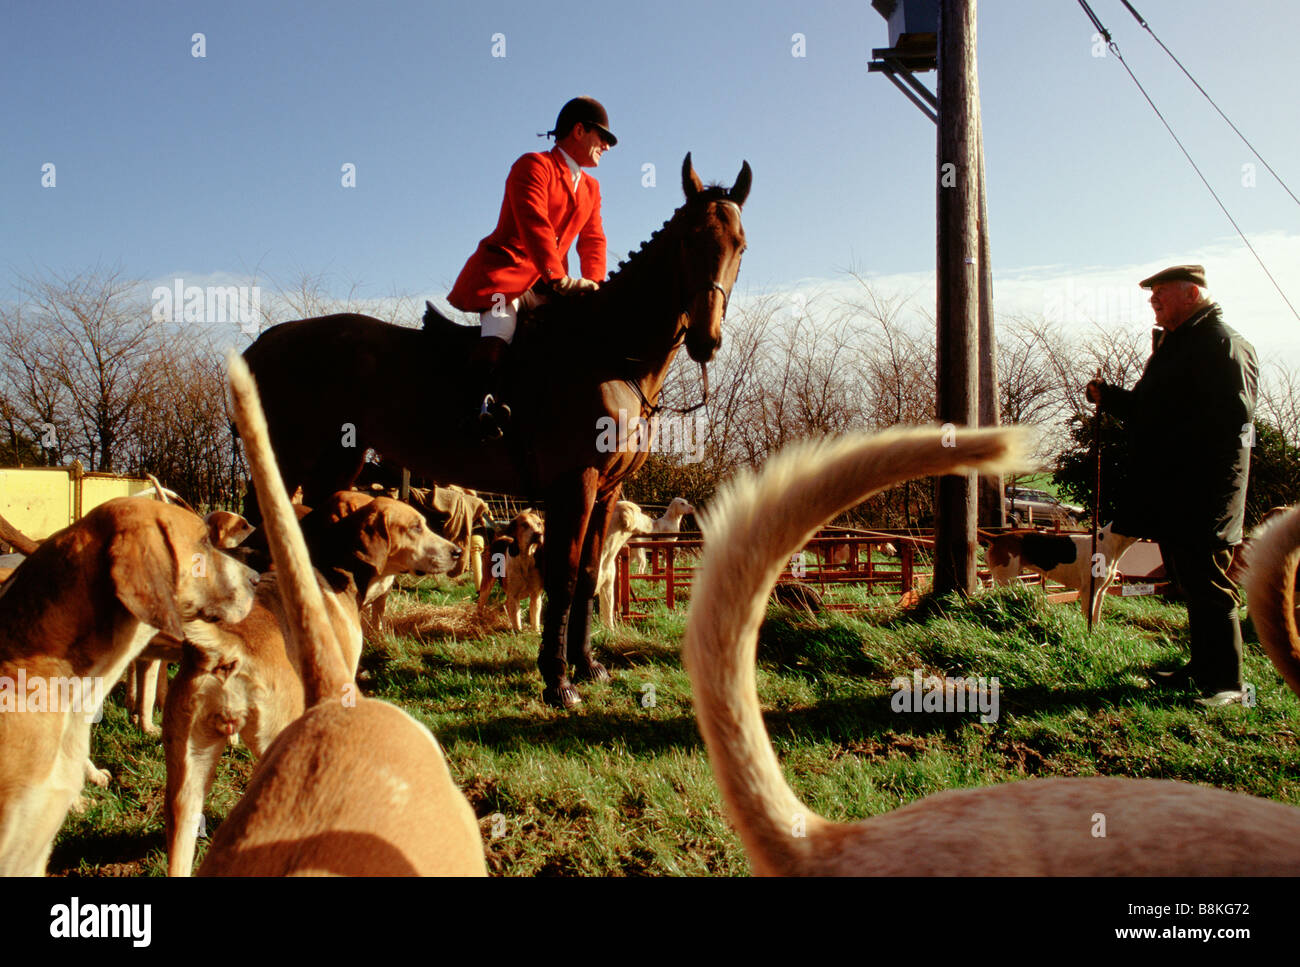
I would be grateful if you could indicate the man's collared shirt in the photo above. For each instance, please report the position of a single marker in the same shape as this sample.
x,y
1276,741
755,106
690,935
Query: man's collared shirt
x,y
574,168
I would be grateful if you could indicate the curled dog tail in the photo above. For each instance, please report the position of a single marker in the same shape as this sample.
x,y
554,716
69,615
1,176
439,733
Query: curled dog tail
x,y
1270,592
323,673
751,530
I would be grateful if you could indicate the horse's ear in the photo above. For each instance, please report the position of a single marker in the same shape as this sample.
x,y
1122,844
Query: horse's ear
x,y
691,183
740,190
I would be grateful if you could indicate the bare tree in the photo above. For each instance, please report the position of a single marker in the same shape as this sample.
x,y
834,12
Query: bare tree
x,y
36,401
98,334
1279,401
896,371
1118,355
183,433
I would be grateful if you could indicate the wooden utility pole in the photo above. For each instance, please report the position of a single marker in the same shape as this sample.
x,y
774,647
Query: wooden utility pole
x,y
959,268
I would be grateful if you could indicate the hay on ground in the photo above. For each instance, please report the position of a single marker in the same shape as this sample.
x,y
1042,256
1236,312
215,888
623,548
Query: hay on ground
x,y
460,620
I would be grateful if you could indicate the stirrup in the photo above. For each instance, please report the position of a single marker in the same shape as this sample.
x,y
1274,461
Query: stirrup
x,y
498,411
491,416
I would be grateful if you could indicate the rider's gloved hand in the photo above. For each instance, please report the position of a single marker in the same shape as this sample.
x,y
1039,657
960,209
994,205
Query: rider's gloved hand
x,y
569,285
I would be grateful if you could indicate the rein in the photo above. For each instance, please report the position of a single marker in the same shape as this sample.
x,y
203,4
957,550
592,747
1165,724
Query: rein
x,y
656,408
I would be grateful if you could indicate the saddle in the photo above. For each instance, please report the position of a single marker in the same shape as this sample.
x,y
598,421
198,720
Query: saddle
x,y
480,367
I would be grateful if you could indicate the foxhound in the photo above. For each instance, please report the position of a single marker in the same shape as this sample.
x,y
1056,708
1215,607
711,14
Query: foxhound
x,y
354,785
516,558
1036,827
669,523
72,617
625,522
1067,559
227,531
241,678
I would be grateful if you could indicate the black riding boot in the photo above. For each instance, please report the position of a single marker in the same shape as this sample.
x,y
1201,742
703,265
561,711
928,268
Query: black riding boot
x,y
491,415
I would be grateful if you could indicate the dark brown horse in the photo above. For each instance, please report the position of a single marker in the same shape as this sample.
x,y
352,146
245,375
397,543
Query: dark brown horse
x,y
334,386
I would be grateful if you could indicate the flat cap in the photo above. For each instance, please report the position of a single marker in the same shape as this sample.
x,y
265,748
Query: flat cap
x,y
1194,274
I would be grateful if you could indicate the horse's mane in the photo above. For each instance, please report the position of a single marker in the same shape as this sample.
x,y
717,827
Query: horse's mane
x,y
583,317
583,309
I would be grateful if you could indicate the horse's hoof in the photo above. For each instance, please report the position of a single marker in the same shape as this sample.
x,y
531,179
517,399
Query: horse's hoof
x,y
592,671
563,696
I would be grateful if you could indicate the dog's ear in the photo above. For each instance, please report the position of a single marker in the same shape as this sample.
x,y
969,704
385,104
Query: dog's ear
x,y
518,533
373,538
226,529
144,570
626,518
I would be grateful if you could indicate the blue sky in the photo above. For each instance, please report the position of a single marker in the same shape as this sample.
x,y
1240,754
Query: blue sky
x,y
172,165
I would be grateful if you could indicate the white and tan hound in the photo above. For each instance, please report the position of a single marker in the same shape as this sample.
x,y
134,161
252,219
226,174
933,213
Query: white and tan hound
x,y
1036,827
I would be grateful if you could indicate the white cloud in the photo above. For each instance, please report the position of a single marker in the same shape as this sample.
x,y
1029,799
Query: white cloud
x,y
1072,295
1110,295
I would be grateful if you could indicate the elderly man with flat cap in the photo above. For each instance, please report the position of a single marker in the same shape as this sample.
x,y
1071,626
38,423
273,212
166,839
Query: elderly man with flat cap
x,y
1189,426
548,204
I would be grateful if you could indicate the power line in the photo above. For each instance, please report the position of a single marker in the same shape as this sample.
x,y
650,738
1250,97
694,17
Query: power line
x,y
1114,47
1147,27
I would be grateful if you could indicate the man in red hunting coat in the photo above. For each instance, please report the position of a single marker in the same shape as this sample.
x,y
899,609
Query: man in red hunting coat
x,y
549,202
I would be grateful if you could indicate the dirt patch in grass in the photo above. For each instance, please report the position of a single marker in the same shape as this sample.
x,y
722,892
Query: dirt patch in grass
x,y
533,842
891,745
485,796
135,868
1026,759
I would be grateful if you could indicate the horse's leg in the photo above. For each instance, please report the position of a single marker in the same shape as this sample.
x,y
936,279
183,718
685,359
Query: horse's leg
x,y
251,512
579,637
568,509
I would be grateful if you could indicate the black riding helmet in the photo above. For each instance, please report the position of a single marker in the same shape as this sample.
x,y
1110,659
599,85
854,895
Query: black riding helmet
x,y
583,110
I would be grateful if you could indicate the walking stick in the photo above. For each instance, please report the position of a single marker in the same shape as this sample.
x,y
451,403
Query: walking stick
x,y
1096,507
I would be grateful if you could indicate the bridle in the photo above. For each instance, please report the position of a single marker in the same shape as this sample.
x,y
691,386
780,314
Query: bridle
x,y
678,338
726,296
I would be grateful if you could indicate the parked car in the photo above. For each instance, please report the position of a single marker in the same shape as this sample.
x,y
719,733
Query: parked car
x,y
1039,506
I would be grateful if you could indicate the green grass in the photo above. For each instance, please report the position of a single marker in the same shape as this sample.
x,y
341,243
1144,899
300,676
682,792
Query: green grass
x,y
1038,481
622,785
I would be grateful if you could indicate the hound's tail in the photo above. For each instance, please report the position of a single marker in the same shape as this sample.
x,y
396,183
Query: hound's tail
x,y
323,672
158,491
167,496
1270,592
751,530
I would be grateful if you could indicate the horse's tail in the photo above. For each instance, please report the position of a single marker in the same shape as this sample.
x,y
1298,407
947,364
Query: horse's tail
x,y
433,319
751,530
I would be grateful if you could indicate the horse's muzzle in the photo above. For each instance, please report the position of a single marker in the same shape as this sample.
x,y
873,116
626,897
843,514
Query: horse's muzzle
x,y
703,348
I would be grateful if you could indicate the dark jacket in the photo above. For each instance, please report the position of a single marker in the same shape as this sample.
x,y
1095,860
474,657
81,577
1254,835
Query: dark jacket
x,y
1189,426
